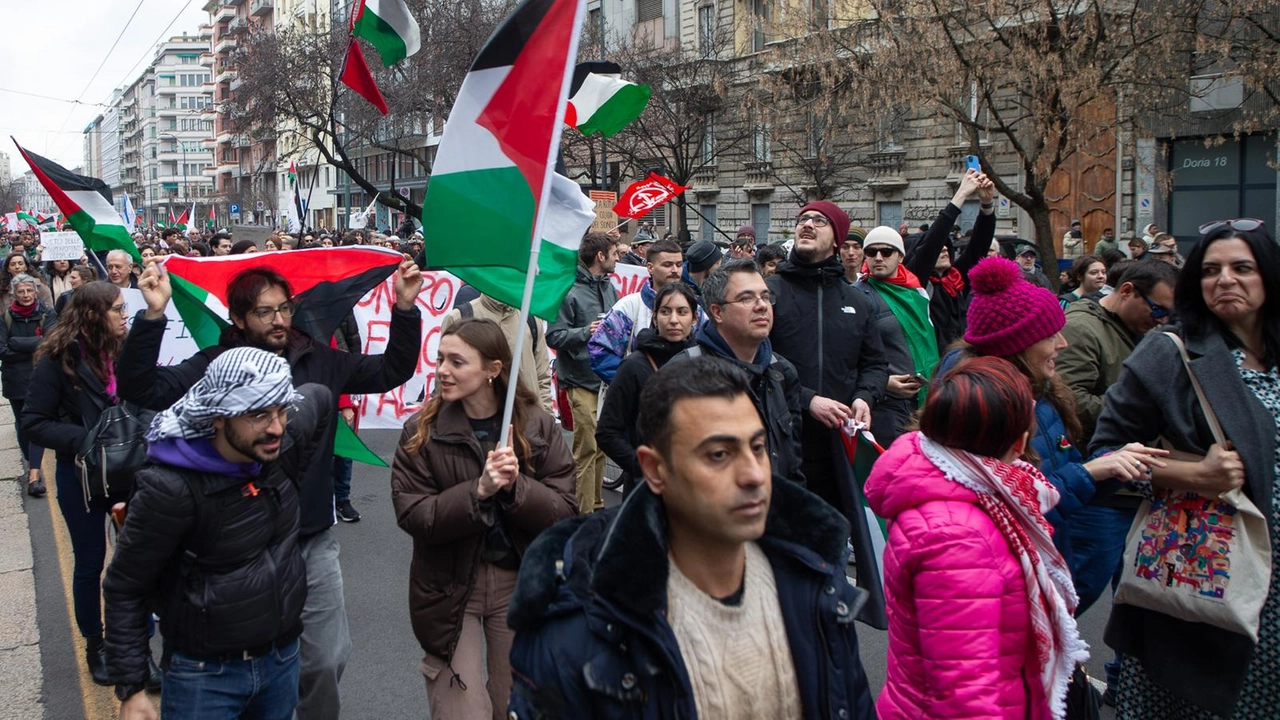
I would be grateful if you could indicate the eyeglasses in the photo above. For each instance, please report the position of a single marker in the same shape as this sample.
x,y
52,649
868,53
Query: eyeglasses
x,y
262,418
1241,224
880,251
1158,311
122,309
816,219
750,300
264,314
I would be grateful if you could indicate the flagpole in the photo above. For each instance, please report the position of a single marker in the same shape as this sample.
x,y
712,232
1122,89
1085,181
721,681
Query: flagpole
x,y
517,352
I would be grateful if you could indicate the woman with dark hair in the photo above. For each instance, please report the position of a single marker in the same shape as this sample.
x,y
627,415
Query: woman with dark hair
x,y
1228,308
675,312
55,273
472,508
77,277
980,602
14,265
74,381
1088,274
1012,319
24,325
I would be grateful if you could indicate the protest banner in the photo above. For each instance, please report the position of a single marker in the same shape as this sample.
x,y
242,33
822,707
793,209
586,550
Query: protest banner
x,y
61,246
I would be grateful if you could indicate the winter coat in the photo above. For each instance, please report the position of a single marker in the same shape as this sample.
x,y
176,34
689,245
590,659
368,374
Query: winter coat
x,y
960,638
43,296
891,413
60,410
156,388
775,391
616,431
592,640
590,297
433,491
535,363
19,338
617,334
946,312
1153,398
1097,344
225,573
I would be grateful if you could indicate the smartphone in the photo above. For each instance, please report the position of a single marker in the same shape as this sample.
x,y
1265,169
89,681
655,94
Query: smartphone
x,y
920,379
971,162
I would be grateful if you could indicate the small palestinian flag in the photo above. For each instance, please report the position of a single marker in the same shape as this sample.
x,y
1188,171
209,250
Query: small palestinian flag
x,y
602,102
389,27
869,533
494,169
86,202
212,217
181,222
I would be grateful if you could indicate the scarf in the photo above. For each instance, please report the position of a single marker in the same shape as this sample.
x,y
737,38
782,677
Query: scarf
x,y
239,381
24,312
952,282
1016,496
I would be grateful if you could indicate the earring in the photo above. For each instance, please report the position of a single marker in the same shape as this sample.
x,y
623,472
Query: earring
x,y
490,380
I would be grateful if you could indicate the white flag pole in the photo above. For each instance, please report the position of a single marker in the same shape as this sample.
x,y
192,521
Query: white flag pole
x,y
553,153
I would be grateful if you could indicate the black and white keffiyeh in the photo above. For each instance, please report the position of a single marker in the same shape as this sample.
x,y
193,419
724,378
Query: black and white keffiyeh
x,y
241,380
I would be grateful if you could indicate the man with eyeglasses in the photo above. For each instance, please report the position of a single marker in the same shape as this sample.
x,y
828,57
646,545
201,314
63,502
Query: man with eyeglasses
x,y
826,327
739,311
260,304
1100,336
217,508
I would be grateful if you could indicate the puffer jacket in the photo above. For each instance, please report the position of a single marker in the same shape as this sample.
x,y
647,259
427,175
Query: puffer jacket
x,y
590,614
1063,465
590,297
19,338
433,491
224,572
960,637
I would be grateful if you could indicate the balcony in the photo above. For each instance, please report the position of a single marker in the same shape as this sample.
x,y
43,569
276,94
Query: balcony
x,y
888,170
234,3
226,12
759,176
261,8
704,180
238,26
235,83
225,73
224,45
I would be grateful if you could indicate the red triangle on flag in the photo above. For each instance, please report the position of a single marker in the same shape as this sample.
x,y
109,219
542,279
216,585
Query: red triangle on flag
x,y
356,75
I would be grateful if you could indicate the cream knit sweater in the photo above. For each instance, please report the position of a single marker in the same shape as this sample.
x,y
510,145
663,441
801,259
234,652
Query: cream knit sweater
x,y
738,658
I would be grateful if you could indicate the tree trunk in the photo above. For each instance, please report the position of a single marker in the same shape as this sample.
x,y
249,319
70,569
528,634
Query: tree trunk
x,y
1039,212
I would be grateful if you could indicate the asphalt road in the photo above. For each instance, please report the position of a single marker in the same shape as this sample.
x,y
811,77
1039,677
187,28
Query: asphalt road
x,y
382,679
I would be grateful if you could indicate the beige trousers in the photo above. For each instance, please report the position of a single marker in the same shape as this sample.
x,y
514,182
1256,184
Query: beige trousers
x,y
587,455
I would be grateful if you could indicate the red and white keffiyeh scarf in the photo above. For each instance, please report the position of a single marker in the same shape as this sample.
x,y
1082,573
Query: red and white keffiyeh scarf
x,y
1016,496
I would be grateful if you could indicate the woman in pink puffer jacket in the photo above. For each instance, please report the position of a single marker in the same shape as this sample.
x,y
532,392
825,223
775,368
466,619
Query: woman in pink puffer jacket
x,y
979,601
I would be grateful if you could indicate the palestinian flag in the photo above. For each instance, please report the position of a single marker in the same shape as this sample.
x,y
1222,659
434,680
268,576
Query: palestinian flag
x,y
602,102
327,283
87,204
493,172
181,222
212,217
389,27
868,533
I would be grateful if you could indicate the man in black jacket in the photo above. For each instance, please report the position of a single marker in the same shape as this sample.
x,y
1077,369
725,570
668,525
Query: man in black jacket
x,y
260,305
739,311
827,328
211,539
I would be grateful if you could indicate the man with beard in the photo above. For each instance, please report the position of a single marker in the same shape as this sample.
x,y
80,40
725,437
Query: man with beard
x,y
217,508
260,303
613,340
827,328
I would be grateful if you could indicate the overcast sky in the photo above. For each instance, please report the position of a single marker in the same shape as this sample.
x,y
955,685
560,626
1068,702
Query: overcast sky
x,y
54,47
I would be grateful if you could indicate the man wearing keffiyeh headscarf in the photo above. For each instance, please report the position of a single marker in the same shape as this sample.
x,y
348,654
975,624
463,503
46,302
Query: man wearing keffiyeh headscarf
x,y
217,508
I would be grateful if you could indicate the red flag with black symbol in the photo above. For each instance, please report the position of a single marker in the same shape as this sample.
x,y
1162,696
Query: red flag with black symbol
x,y
356,75
645,195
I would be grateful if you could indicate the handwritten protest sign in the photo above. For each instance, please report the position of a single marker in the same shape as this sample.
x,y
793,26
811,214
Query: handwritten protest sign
x,y
61,246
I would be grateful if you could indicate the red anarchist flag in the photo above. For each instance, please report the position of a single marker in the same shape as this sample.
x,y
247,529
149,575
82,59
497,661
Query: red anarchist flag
x,y
645,195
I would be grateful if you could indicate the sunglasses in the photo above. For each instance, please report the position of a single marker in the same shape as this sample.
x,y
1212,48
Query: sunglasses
x,y
880,251
1241,224
1158,311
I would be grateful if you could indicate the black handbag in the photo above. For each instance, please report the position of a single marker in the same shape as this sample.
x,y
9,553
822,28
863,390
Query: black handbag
x,y
114,449
1083,702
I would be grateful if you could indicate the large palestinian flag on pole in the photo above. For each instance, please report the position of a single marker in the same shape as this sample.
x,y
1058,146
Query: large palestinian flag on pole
x,y
493,183
86,202
326,283
389,27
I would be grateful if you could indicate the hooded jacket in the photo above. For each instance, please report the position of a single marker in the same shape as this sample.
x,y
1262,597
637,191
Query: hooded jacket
x,y
616,432
592,640
434,495
590,297
156,388
1097,344
775,391
618,332
224,570
960,638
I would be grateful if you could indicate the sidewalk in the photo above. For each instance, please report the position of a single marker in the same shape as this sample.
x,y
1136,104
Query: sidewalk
x,y
20,669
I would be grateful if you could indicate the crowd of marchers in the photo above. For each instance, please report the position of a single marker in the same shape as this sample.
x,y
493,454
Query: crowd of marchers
x,y
1025,434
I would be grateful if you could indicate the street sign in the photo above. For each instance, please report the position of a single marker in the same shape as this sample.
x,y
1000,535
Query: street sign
x,y
235,216
1003,208
404,192
1144,205
233,208
261,206
606,218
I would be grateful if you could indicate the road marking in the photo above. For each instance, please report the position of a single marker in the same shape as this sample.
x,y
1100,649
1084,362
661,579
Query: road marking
x,y
98,702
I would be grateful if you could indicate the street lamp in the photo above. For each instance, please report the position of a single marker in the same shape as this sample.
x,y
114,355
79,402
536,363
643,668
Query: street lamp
x,y
183,148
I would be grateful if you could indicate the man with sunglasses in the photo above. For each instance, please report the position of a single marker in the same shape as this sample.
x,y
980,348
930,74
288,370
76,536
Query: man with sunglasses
x,y
260,304
828,330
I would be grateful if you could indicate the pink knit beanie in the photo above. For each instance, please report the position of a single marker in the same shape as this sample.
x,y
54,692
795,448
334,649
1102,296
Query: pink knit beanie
x,y
1008,314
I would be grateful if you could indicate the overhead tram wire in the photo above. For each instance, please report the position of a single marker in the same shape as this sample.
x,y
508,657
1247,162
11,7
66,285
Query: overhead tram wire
x,y
103,63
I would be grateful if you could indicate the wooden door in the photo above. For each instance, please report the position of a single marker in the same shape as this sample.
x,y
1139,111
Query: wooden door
x,y
1084,187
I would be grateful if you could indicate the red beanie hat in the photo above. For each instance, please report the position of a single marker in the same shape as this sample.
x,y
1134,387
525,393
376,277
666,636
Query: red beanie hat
x,y
839,220
1008,314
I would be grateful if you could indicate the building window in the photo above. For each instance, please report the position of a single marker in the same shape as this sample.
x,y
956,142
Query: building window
x,y
707,231
889,213
761,150
707,29
648,10
707,147
760,219
759,24
819,14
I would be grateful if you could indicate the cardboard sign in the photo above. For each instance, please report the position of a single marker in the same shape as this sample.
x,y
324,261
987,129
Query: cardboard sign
x,y
606,218
61,246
